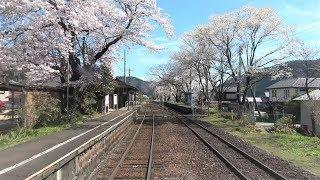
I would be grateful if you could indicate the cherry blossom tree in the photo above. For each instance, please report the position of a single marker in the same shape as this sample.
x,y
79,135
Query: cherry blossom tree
x,y
172,77
306,56
250,40
207,62
44,36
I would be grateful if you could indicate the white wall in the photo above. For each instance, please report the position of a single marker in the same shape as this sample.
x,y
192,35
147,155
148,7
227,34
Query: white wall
x,y
3,95
281,96
306,114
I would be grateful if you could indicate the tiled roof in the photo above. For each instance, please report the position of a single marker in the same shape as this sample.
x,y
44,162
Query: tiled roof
x,y
314,95
230,89
296,82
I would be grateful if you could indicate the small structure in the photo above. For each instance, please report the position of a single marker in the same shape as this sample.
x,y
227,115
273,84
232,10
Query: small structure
x,y
22,96
230,94
122,96
310,112
286,89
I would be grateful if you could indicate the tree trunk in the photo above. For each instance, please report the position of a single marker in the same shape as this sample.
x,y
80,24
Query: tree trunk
x,y
255,103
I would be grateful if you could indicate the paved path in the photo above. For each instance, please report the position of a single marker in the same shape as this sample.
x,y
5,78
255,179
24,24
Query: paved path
x,y
25,159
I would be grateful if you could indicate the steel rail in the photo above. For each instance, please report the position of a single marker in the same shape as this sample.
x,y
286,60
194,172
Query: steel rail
x,y
253,160
216,152
114,172
258,163
150,164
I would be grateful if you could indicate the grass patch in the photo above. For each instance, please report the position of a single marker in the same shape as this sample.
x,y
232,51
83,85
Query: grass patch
x,y
303,151
22,135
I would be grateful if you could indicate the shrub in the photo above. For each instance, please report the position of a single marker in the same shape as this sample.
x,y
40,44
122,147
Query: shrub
x,y
214,110
285,124
47,109
246,121
228,115
293,107
74,118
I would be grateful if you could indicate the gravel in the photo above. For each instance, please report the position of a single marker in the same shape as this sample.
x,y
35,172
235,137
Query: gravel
x,y
179,154
281,166
250,170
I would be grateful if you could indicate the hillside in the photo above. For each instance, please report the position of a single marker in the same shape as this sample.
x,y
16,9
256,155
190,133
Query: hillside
x,y
141,85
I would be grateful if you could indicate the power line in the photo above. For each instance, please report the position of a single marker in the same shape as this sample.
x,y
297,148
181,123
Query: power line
x,y
306,30
120,67
299,26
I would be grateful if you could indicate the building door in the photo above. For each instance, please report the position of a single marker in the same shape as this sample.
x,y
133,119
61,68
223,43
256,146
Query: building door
x,y
111,105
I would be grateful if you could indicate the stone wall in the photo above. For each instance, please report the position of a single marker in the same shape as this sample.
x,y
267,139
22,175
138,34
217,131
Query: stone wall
x,y
82,163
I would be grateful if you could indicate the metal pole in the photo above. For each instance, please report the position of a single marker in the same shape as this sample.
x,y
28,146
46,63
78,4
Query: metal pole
x,y
129,74
130,70
254,100
124,64
68,83
12,105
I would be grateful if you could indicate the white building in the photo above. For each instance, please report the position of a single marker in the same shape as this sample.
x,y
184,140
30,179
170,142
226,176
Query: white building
x,y
285,90
310,107
4,96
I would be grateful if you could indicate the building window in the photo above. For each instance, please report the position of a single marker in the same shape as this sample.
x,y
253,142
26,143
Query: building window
x,y
286,93
274,93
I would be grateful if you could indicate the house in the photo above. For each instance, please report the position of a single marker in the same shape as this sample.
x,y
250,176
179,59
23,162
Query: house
x,y
230,94
18,95
286,89
310,108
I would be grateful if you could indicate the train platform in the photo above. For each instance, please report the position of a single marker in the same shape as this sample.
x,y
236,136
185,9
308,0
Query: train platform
x,y
24,159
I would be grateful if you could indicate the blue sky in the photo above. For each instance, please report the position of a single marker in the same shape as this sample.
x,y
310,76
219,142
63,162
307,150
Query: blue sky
x,y
187,14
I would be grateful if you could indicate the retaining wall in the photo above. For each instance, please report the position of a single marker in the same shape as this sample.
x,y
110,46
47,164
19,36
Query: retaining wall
x,y
82,163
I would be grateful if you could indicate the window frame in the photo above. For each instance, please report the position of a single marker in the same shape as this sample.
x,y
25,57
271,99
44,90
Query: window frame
x,y
286,93
274,93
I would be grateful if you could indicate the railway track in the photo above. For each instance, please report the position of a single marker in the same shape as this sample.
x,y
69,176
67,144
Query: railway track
x,y
136,162
239,162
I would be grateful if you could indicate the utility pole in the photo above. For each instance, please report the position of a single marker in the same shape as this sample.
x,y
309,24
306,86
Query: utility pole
x,y
130,70
68,84
124,66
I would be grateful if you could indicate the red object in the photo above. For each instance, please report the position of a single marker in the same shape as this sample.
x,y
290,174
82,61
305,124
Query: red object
x,y
305,128
2,106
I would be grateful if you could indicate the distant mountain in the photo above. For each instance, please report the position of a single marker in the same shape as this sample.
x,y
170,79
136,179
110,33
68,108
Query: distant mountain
x,y
296,71
141,85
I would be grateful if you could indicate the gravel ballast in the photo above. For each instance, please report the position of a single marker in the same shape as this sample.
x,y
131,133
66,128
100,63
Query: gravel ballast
x,y
179,154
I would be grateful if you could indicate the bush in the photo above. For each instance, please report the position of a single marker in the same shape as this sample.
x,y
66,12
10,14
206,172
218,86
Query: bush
x,y
293,107
285,124
47,109
73,119
246,121
228,115
214,110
